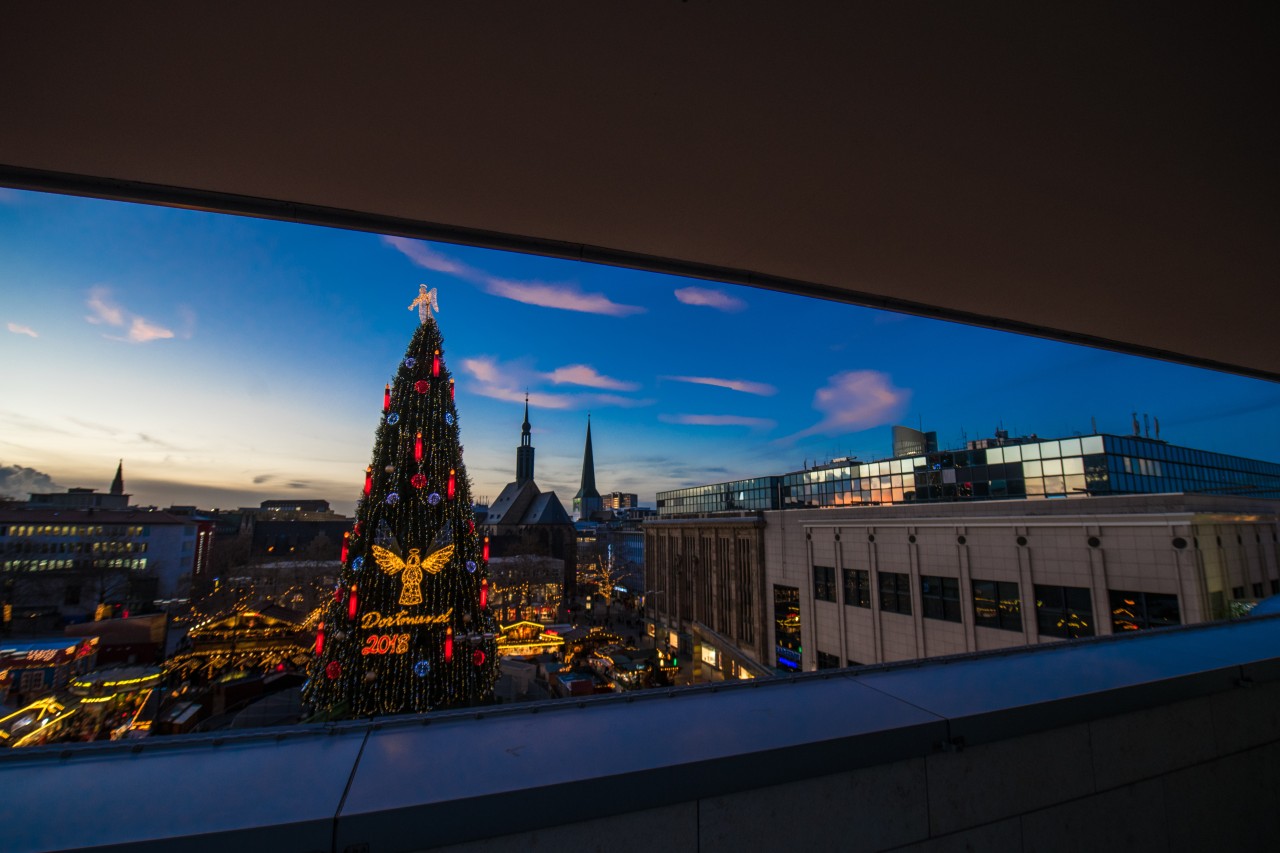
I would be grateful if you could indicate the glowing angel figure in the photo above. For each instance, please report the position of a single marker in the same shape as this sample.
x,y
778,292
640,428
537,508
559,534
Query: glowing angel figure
x,y
426,300
411,591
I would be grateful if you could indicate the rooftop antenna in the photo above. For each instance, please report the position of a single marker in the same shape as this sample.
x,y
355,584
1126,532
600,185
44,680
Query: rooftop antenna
x,y
1146,420
1136,429
1093,421
1157,420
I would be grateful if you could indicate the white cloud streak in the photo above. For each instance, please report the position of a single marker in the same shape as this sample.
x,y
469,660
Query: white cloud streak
x,y
19,329
567,297
509,382
709,298
719,420
744,385
588,377
105,311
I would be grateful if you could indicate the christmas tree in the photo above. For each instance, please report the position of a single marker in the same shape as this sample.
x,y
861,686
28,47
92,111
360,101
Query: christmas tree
x,y
409,628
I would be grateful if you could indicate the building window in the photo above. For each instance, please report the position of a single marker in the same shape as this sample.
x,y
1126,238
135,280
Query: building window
x,y
1258,590
826,661
996,605
1237,592
857,588
32,680
1064,611
786,626
824,583
1135,611
1275,587
940,598
895,592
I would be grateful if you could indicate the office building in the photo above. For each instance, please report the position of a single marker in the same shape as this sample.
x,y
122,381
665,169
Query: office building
x,y
1075,467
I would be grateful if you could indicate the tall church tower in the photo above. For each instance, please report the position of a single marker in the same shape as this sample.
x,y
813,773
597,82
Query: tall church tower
x,y
587,500
524,453
117,485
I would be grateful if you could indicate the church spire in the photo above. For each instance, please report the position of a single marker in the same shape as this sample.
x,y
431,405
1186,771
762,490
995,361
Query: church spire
x,y
524,453
117,485
587,500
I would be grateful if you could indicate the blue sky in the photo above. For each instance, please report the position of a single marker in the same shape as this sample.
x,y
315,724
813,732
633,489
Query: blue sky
x,y
229,360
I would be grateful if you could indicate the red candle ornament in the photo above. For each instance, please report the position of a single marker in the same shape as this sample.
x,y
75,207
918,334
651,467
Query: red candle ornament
x,y
386,397
417,448
471,525
355,531
368,481
346,545
320,639
484,593
450,389
337,594
435,364
351,603
452,483
448,645
486,549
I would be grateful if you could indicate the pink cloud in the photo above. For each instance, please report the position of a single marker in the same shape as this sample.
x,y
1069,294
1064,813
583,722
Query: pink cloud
x,y
719,420
140,331
563,296
428,258
510,381
104,310
585,375
709,298
856,400
743,385
23,330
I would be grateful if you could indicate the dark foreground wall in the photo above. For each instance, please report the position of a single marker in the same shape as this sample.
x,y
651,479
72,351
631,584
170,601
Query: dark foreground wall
x,y
1167,740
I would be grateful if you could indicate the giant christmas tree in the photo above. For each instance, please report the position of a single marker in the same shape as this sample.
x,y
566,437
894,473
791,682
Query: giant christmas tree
x,y
408,628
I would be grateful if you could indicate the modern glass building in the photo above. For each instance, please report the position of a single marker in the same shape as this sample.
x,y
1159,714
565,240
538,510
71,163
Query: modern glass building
x,y
758,493
1057,468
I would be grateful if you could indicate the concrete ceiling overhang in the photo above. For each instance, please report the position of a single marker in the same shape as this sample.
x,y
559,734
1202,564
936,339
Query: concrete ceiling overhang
x,y
1090,173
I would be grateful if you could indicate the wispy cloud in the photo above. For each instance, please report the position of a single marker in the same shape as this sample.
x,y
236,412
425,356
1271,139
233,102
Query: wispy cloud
x,y
510,381
428,258
564,296
19,329
103,310
587,376
743,385
855,400
719,420
141,331
567,297
709,298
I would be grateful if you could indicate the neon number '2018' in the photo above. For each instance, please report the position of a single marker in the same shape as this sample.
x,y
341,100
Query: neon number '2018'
x,y
385,644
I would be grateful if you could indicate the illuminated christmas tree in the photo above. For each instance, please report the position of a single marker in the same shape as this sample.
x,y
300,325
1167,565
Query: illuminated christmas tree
x,y
409,628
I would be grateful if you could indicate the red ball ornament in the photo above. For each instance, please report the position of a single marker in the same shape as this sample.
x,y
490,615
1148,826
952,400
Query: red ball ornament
x,y
422,386
333,670
477,657
418,480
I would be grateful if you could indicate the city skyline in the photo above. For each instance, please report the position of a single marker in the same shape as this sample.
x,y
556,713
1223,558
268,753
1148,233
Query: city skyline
x,y
230,360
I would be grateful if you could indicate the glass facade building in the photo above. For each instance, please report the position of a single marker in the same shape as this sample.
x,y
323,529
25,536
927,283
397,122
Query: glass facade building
x,y
1057,468
758,493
